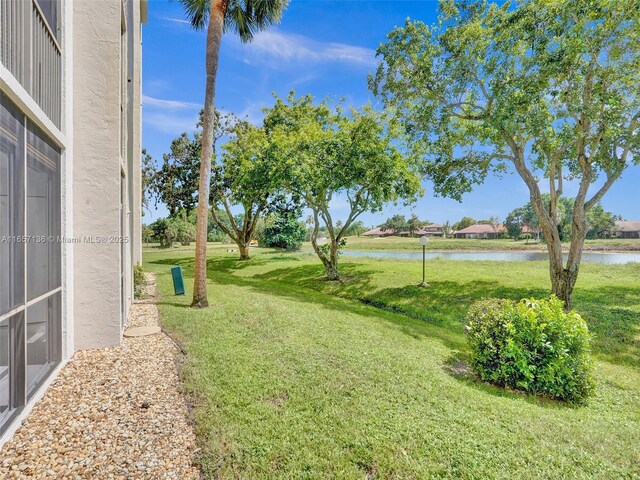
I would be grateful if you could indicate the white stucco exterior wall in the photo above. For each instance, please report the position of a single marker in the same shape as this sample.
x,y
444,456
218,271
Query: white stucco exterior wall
x,y
98,165
135,128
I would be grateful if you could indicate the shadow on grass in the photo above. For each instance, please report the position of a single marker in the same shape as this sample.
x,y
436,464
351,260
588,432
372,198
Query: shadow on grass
x,y
440,309
308,289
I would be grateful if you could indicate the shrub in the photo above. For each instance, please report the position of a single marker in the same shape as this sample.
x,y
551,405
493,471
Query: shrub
x,y
185,232
138,280
532,345
283,231
165,232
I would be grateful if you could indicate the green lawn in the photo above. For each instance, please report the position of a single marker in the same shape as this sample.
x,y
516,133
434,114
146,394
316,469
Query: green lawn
x,y
296,377
405,243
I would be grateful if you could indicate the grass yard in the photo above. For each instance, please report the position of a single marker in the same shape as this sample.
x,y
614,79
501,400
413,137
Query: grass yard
x,y
296,377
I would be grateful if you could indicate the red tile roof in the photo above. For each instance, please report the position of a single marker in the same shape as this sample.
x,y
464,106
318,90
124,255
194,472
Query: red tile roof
x,y
483,228
628,226
376,231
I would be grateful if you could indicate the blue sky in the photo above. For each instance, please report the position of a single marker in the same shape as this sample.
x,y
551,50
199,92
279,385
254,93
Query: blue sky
x,y
325,48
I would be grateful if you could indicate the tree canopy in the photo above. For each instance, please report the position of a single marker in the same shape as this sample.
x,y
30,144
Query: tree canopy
x,y
395,224
545,89
247,176
600,223
283,229
464,223
330,153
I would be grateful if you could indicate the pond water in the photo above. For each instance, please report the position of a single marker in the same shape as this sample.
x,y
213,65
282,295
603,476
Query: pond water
x,y
592,257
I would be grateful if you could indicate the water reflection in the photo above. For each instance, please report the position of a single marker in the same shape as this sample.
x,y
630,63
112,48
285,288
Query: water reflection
x,y
592,257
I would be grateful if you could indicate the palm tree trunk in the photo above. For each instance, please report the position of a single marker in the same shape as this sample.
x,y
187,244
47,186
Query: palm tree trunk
x,y
214,39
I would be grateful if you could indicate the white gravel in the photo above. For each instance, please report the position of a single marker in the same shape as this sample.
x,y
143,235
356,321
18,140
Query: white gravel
x,y
112,413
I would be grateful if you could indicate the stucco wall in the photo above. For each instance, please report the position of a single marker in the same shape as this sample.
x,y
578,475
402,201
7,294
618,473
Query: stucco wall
x,y
135,128
97,171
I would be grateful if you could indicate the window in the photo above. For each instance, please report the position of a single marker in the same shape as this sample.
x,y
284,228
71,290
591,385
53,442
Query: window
x,y
30,259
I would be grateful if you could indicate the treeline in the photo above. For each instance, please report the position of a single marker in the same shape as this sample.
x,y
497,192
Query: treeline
x,y
277,230
399,223
524,220
303,155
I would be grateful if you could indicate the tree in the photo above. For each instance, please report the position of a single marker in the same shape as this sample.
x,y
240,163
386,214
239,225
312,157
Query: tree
x,y
464,223
601,224
414,224
169,230
148,171
396,224
329,153
284,230
247,177
245,17
543,88
176,182
164,231
185,231
530,219
214,232
447,229
356,228
514,223
147,233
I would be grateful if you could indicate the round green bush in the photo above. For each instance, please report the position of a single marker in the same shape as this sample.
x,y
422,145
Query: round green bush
x,y
532,345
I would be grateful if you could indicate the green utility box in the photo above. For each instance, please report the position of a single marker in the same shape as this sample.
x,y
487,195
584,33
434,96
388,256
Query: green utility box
x,y
178,281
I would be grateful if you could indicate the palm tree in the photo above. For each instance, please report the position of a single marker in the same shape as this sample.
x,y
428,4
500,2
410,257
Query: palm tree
x,y
244,17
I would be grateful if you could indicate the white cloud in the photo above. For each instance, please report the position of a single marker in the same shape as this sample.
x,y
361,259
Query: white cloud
x,y
148,101
271,45
175,20
170,116
170,123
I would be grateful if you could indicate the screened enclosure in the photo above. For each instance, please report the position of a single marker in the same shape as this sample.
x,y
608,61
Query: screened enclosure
x,y
30,259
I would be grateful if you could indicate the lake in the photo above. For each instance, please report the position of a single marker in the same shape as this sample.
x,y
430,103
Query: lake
x,y
592,257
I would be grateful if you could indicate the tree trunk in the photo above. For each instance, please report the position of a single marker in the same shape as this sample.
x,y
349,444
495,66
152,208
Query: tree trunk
x,y
244,251
331,266
332,271
330,261
562,282
214,39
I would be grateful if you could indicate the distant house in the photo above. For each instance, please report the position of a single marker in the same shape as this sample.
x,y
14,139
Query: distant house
x,y
628,229
527,230
481,230
433,230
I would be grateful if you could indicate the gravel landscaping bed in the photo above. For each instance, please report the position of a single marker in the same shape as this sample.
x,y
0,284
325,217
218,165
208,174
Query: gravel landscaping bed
x,y
112,413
